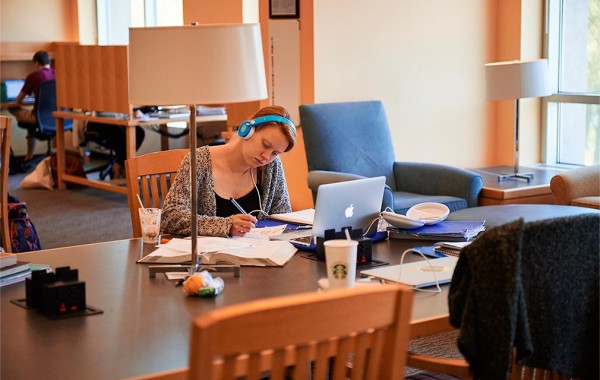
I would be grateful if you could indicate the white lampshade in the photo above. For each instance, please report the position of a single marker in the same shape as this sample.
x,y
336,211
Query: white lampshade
x,y
208,64
517,79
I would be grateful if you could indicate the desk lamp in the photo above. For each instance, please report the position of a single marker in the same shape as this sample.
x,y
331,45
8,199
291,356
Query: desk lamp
x,y
208,64
517,80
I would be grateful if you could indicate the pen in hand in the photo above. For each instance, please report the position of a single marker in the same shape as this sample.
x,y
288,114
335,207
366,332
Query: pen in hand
x,y
237,205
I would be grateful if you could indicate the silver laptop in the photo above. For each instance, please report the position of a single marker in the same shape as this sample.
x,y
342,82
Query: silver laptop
x,y
418,274
353,204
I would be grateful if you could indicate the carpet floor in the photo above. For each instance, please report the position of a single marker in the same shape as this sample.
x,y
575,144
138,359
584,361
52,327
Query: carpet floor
x,y
74,216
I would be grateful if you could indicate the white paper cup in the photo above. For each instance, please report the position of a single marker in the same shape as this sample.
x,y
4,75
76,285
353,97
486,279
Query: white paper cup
x,y
150,222
340,258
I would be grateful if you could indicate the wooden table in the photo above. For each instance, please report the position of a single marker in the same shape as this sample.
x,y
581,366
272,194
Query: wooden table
x,y
145,324
130,142
516,191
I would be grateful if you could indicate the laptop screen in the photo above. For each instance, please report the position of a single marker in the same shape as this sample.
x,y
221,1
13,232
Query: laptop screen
x,y
13,87
353,204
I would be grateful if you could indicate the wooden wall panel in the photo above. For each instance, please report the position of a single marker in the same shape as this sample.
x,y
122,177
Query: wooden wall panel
x,y
93,78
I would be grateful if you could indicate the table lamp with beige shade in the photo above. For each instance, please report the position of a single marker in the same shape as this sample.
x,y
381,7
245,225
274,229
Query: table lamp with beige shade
x,y
191,65
517,80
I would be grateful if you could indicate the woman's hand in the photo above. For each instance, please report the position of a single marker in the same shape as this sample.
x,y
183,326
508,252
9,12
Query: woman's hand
x,y
241,224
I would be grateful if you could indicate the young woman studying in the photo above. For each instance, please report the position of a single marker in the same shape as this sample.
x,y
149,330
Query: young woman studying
x,y
244,174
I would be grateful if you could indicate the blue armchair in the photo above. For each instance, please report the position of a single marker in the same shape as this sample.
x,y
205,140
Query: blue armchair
x,y
351,140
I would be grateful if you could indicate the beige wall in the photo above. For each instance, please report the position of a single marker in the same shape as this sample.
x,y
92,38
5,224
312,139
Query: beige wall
x,y
424,60
25,25
35,20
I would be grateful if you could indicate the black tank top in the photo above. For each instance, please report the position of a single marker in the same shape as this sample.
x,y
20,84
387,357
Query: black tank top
x,y
249,202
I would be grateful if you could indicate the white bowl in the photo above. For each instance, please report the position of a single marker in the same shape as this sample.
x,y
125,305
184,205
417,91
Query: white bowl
x,y
429,212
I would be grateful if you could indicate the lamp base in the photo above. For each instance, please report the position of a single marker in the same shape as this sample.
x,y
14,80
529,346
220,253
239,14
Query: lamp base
x,y
154,269
516,176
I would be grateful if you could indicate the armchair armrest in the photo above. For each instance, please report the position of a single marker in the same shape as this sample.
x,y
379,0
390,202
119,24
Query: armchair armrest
x,y
437,179
575,183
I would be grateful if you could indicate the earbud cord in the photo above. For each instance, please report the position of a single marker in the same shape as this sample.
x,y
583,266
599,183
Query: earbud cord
x,y
260,210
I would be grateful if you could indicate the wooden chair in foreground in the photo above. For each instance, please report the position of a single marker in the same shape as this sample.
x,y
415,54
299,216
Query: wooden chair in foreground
x,y
526,293
304,336
5,130
150,176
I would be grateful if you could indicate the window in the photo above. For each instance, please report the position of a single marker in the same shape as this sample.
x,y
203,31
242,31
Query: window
x,y
156,12
572,112
116,16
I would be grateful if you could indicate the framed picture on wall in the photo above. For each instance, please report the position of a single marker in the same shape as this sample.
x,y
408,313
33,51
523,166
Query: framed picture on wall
x,y
284,9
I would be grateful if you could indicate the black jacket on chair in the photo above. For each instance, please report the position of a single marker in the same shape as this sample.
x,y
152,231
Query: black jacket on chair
x,y
533,287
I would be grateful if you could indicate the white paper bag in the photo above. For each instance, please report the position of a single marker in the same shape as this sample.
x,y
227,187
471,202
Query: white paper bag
x,y
40,177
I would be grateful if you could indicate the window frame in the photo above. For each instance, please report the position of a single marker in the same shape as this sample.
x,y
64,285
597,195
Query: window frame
x,y
552,103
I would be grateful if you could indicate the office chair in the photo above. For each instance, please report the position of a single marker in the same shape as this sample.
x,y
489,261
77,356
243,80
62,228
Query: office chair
x,y
45,104
525,298
93,134
303,336
351,140
5,132
150,176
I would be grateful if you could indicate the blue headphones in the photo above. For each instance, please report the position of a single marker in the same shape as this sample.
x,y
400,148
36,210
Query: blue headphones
x,y
246,129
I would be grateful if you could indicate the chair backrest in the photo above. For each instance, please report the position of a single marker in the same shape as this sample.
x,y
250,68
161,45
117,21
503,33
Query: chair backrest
x,y
45,104
150,176
5,131
348,137
539,281
306,333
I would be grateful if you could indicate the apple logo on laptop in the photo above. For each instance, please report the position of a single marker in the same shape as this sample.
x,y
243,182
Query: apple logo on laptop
x,y
349,211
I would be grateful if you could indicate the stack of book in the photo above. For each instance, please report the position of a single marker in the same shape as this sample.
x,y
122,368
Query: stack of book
x,y
13,270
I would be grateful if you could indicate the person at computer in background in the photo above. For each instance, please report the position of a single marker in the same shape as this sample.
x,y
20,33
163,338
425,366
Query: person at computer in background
x,y
42,73
247,169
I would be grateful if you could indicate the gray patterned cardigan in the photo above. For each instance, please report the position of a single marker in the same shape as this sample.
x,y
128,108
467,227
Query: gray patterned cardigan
x,y
176,215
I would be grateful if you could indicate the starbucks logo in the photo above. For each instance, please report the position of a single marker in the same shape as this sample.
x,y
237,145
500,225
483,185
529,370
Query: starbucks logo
x,y
340,271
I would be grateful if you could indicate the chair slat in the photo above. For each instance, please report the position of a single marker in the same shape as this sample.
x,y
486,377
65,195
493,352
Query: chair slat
x,y
278,365
155,201
302,367
360,354
228,368
342,353
378,340
254,372
5,136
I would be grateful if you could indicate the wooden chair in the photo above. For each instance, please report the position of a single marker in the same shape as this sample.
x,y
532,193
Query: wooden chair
x,y
554,264
5,131
304,336
150,176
